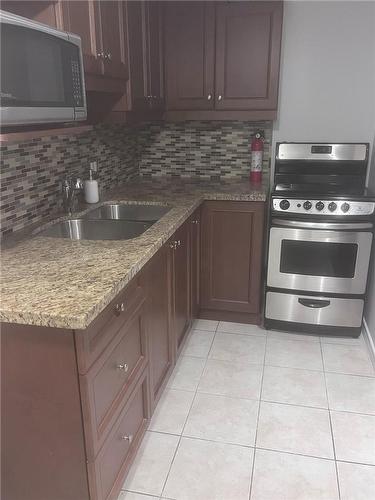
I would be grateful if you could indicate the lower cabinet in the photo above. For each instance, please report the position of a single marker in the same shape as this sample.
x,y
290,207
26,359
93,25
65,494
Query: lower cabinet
x,y
231,268
85,397
181,318
156,279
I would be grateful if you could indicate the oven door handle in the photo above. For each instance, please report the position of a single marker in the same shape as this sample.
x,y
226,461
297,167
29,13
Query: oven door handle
x,y
314,303
322,225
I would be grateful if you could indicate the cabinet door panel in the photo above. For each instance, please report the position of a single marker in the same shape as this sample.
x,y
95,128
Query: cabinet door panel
x,y
181,266
247,55
232,234
112,31
156,278
190,38
81,17
195,263
154,55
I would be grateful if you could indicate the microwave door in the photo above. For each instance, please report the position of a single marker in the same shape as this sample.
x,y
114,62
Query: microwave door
x,y
40,77
319,260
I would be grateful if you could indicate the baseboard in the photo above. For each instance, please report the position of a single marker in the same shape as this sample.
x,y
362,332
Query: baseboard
x,y
369,341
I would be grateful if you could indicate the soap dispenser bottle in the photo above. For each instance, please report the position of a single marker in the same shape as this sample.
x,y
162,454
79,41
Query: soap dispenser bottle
x,y
91,187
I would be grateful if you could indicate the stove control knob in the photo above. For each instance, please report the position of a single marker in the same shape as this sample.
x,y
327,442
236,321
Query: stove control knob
x,y
307,205
284,204
345,207
319,206
332,206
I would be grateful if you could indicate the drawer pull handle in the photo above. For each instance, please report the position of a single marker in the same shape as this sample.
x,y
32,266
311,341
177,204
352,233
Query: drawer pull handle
x,y
127,438
123,366
195,221
314,304
119,308
175,244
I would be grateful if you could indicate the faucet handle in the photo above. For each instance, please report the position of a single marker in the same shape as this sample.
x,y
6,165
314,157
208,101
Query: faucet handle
x,y
77,183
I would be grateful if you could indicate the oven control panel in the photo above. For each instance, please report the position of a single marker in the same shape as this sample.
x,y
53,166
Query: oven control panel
x,y
323,207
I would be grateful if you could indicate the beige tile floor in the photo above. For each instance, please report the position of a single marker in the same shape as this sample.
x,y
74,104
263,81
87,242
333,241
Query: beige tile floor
x,y
256,415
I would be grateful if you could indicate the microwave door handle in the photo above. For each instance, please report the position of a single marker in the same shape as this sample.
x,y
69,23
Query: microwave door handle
x,y
313,303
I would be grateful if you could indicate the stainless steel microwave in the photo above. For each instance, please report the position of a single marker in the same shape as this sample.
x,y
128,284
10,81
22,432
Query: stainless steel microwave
x,y
42,79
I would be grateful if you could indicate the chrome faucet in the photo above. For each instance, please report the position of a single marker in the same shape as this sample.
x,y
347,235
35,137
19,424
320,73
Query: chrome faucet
x,y
70,188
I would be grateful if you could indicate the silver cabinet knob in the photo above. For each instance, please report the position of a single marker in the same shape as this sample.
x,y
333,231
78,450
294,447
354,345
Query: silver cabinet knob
x,y
108,56
172,245
128,438
123,366
100,55
209,97
219,98
179,243
119,308
195,221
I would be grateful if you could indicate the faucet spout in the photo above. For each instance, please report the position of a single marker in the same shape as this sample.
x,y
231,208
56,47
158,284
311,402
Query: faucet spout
x,y
70,188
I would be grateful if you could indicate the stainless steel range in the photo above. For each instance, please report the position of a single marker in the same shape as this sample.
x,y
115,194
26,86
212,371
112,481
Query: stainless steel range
x,y
320,239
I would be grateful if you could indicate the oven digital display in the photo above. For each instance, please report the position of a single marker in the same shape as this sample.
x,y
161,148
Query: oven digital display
x,y
321,149
315,258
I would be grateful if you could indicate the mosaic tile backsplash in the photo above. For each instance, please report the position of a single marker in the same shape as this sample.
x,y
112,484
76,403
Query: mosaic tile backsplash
x,y
31,172
206,149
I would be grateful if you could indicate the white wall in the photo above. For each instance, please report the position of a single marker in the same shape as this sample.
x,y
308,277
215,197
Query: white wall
x,y
327,81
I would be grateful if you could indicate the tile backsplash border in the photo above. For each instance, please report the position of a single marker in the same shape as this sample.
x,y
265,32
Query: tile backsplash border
x,y
31,171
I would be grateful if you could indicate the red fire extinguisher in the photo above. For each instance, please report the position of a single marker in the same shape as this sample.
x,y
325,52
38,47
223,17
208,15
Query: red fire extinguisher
x,y
257,146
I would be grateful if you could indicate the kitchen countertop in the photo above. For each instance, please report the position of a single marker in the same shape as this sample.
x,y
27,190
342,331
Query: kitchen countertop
x,y
61,283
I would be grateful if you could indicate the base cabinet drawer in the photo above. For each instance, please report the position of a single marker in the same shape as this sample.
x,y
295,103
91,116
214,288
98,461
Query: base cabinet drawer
x,y
110,380
108,471
93,341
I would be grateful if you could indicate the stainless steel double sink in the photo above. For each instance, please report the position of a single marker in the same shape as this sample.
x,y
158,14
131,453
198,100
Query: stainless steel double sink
x,y
108,222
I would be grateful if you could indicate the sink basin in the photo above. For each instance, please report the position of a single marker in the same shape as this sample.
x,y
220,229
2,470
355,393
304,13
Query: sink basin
x,y
81,229
128,212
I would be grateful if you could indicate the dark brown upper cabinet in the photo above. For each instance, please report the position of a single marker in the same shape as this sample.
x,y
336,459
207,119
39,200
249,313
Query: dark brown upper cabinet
x,y
100,26
248,38
222,59
145,92
190,55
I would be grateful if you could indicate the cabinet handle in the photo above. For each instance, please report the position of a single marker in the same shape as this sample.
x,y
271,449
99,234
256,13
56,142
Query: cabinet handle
x,y
175,244
119,308
100,55
209,97
195,221
219,98
127,438
108,56
123,366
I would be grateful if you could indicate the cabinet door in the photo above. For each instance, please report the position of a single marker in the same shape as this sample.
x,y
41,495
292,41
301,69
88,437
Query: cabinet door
x,y
154,54
189,49
157,280
181,288
82,18
232,235
136,46
112,34
248,40
195,246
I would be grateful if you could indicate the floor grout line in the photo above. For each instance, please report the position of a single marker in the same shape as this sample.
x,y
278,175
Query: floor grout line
x,y
186,419
330,425
257,422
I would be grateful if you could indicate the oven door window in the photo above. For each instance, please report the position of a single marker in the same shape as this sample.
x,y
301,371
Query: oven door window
x,y
312,258
36,68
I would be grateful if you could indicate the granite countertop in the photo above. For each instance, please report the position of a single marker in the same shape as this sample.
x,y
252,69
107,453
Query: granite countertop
x,y
62,283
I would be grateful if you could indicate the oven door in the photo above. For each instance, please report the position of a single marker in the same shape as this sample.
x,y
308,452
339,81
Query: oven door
x,y
319,257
